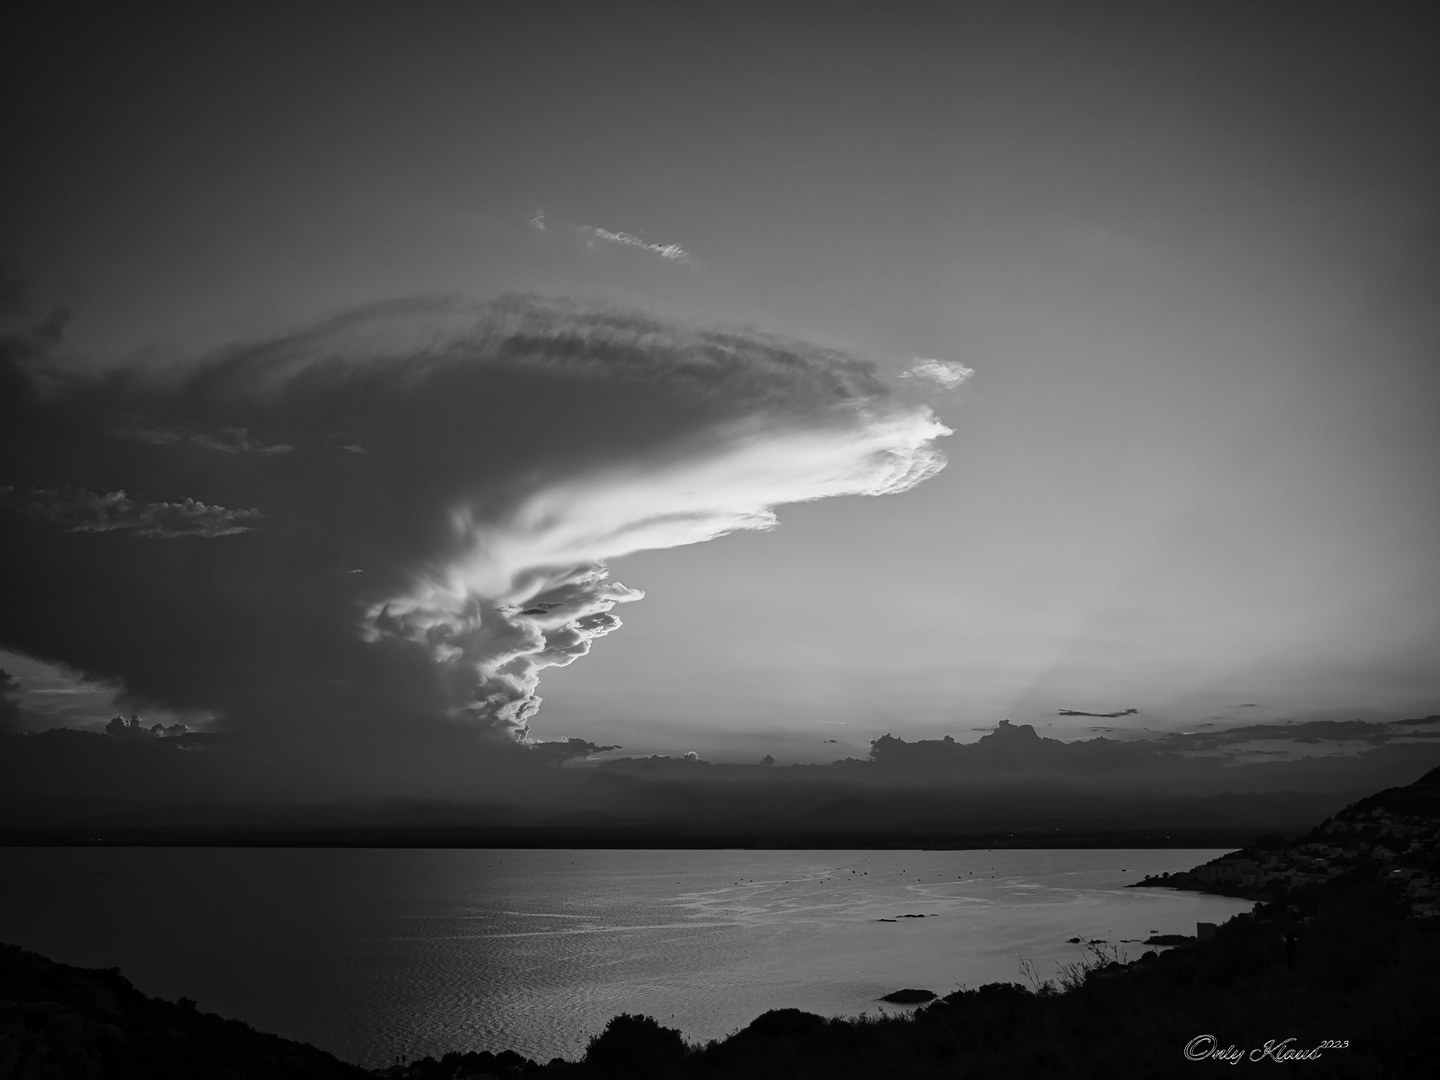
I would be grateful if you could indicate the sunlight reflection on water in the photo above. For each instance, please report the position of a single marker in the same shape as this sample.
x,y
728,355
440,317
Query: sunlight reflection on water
x,y
370,953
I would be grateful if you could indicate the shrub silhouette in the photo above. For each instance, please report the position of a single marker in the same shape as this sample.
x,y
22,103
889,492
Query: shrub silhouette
x,y
636,1046
787,1024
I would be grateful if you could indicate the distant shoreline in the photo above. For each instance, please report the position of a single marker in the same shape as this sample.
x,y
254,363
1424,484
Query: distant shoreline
x,y
626,839
1234,892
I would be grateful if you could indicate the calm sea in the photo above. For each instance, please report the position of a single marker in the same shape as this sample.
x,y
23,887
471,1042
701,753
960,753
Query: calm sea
x,y
373,953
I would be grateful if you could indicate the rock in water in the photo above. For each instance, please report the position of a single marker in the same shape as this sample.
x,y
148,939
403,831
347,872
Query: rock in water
x,y
909,997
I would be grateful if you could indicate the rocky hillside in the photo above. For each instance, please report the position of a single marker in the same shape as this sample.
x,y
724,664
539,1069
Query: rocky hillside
x,y
1392,836
69,1023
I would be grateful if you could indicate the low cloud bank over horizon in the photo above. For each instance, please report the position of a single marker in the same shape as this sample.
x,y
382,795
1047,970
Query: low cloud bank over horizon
x,y
1258,775
366,540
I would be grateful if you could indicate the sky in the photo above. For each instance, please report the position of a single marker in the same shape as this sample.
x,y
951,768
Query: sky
x,y
922,366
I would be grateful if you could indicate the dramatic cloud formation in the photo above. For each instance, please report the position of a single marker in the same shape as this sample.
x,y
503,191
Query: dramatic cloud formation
x,y
429,512
948,374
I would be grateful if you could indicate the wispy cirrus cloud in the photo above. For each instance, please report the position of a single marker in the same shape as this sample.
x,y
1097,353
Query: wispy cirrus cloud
x,y
665,251
592,233
82,511
1314,738
947,374
230,440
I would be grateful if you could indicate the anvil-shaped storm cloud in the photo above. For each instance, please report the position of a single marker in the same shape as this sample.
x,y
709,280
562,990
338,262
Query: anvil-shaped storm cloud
x,y
456,476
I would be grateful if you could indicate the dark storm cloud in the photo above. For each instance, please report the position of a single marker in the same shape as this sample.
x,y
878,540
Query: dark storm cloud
x,y
1108,715
373,611
9,706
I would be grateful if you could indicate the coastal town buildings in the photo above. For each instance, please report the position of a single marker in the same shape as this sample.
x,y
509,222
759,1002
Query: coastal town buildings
x,y
1393,836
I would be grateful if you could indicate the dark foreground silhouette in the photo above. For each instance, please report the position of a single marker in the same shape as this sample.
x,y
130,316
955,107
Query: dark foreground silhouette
x,y
1337,978
69,1023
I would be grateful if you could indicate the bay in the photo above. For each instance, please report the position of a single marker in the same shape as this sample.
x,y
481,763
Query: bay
x,y
373,953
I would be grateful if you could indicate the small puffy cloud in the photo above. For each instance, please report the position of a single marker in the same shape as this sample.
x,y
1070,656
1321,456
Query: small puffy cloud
x,y
81,511
947,374
135,728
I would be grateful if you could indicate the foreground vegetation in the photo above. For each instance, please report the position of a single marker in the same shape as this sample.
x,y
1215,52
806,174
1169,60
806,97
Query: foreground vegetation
x,y
69,1023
